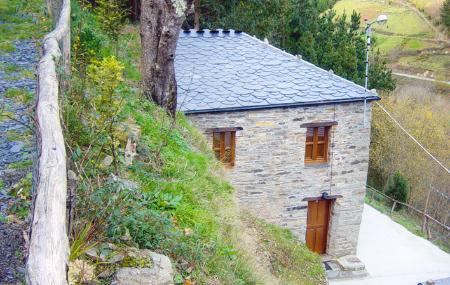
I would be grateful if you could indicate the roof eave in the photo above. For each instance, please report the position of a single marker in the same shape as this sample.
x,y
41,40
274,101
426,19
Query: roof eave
x,y
284,105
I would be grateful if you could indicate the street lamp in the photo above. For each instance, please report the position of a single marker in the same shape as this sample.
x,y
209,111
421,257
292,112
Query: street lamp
x,y
381,19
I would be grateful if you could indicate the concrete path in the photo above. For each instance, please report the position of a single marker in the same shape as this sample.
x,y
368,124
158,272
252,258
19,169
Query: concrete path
x,y
393,255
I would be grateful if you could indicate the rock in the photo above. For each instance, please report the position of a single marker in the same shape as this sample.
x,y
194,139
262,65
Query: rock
x,y
161,273
128,184
114,257
130,152
139,253
106,162
72,175
350,263
16,147
92,253
106,273
11,177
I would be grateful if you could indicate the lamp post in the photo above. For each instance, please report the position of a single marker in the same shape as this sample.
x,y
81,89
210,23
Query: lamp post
x,y
381,19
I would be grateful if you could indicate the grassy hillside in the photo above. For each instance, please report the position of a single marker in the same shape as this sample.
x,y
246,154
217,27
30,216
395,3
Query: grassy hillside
x,y
432,8
173,198
406,34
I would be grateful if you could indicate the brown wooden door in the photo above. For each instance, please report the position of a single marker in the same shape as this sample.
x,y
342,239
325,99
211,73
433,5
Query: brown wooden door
x,y
317,225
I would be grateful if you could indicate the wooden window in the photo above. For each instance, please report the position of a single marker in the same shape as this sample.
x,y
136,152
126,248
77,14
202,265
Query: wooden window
x,y
316,144
224,143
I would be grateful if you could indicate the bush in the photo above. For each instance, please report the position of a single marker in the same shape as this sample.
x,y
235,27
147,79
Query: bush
x,y
397,187
86,47
104,81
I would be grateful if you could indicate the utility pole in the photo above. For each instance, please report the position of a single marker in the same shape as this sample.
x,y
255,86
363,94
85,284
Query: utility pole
x,y
381,19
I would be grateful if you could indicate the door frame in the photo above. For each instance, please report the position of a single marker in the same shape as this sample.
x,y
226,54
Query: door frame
x,y
330,200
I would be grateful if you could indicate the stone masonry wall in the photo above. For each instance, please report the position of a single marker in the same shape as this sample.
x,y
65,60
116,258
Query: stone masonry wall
x,y
270,175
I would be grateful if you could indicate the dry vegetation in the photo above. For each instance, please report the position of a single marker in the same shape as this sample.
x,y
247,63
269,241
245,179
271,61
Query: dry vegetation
x,y
432,8
425,115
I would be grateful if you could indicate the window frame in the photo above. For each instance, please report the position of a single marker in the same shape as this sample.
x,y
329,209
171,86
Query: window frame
x,y
315,143
221,149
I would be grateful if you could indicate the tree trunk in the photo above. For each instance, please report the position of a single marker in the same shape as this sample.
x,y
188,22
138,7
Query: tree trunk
x,y
197,15
134,10
161,22
48,250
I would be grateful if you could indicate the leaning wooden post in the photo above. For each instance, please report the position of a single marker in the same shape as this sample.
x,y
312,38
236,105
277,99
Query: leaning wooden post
x,y
393,207
425,220
428,228
49,246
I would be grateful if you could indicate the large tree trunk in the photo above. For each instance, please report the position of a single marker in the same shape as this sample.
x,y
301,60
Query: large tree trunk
x,y
161,22
197,15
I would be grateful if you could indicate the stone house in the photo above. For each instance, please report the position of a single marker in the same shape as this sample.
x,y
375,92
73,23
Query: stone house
x,y
292,137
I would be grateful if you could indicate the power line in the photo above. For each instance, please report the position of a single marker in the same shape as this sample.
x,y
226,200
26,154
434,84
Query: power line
x,y
413,138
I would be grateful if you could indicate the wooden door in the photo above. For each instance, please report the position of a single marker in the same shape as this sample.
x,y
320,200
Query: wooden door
x,y
317,225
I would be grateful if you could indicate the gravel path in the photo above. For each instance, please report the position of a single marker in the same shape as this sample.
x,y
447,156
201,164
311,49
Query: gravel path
x,y
393,255
12,150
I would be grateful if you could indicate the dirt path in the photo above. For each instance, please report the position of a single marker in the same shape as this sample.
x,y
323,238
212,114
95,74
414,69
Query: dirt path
x,y
15,148
420,77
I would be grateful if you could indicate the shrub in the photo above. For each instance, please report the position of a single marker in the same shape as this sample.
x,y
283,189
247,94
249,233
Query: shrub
x,y
397,188
104,79
111,14
86,47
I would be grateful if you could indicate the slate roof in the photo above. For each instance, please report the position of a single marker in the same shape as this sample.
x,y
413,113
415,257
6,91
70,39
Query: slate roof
x,y
229,71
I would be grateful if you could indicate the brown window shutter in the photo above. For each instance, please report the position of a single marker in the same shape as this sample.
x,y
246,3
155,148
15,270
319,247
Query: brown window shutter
x,y
316,145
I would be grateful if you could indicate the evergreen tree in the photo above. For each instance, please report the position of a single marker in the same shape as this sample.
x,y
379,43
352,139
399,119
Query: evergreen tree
x,y
397,188
445,13
380,77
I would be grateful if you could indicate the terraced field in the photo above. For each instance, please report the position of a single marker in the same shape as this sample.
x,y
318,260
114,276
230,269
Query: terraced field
x,y
409,39
430,7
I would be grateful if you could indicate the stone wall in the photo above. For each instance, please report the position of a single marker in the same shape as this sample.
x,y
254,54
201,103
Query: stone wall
x,y
270,175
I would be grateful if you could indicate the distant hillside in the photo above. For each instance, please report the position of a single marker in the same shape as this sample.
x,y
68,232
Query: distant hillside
x,y
432,8
410,40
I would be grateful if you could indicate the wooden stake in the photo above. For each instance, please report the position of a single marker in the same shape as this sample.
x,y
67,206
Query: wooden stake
x,y
425,220
393,207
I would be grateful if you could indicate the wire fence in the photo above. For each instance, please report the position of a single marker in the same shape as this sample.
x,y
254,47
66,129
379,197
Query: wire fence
x,y
417,220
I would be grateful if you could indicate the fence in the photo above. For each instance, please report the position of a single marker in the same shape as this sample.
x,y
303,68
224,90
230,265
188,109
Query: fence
x,y
429,225
49,246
